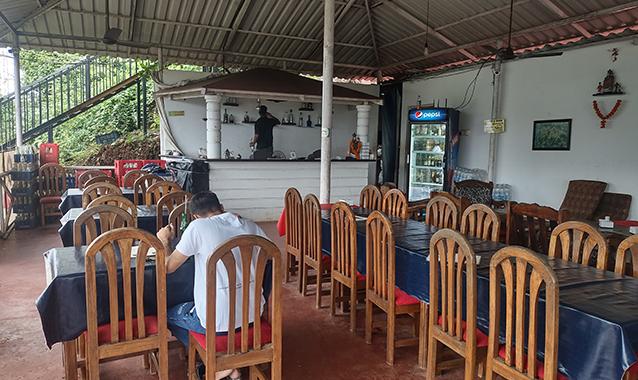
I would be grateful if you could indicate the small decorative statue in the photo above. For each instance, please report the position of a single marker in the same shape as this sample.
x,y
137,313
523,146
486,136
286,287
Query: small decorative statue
x,y
610,82
355,147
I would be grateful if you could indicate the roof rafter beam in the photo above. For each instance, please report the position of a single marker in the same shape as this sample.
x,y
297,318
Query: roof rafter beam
x,y
131,27
338,18
212,27
371,26
37,13
555,24
197,50
8,23
239,17
410,17
561,13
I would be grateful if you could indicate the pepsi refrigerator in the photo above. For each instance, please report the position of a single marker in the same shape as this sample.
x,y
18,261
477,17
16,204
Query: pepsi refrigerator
x,y
434,150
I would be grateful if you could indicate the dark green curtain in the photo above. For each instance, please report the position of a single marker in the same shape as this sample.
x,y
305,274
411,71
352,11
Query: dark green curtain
x,y
390,117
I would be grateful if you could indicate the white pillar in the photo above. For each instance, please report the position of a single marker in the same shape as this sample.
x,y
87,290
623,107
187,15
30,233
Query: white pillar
x,y
497,80
17,90
213,126
363,122
326,99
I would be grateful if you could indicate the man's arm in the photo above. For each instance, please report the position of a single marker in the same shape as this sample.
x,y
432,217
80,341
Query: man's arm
x,y
175,259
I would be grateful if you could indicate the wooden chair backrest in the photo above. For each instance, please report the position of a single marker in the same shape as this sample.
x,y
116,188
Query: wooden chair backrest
x,y
169,201
370,198
576,241
52,180
109,246
110,218
294,220
140,186
395,203
386,186
87,175
239,253
159,189
115,200
99,189
129,178
380,260
630,245
452,282
481,222
531,225
442,213
312,227
461,203
525,275
100,179
175,218
343,245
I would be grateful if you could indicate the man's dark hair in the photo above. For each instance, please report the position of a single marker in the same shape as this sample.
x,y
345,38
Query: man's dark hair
x,y
204,202
263,110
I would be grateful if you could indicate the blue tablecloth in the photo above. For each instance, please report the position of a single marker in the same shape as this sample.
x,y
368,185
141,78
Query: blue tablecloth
x,y
598,326
72,198
146,220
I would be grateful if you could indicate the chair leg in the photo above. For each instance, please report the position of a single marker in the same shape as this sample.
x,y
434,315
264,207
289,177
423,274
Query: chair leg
x,y
470,367
192,355
300,267
430,370
147,361
288,268
81,342
423,335
319,277
333,296
389,355
353,311
275,368
368,322
162,371
42,215
303,280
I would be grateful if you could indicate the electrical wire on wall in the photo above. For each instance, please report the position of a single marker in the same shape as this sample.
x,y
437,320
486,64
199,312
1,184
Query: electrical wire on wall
x,y
471,87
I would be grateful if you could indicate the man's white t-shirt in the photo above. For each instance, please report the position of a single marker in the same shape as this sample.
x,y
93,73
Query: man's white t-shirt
x,y
200,239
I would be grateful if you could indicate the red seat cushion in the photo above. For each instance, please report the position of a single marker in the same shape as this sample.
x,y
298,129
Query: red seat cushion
x,y
51,199
402,298
540,369
481,339
633,370
221,341
361,277
325,258
104,331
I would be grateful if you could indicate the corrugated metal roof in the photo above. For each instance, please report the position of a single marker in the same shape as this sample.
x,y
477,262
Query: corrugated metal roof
x,y
287,34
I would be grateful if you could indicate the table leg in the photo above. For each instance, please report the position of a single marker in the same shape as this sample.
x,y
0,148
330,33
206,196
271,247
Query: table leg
x,y
69,359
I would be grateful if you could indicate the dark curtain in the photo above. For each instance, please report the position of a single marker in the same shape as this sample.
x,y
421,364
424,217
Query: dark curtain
x,y
390,116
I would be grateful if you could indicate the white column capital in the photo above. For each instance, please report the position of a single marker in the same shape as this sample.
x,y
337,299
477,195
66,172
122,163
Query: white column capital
x,y
364,108
213,98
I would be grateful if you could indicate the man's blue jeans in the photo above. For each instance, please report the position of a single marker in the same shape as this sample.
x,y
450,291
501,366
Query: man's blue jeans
x,y
183,318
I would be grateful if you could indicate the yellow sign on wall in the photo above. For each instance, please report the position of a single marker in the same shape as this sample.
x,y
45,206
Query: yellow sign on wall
x,y
175,113
494,126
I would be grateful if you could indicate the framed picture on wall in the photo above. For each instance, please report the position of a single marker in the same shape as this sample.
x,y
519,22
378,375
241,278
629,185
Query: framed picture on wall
x,y
552,134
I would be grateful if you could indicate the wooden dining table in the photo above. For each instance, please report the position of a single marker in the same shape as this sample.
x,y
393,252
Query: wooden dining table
x,y
72,198
598,312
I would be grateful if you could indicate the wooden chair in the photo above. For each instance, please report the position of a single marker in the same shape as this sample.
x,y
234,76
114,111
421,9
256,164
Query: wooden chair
x,y
370,198
97,190
129,178
115,200
158,190
623,267
343,261
395,203
442,213
461,203
140,186
531,225
52,184
380,283
141,334
87,175
110,218
100,179
481,222
293,208
576,242
175,218
452,283
169,201
248,346
523,275
475,191
313,256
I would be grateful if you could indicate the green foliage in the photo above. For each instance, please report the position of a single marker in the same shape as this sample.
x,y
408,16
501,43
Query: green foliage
x,y
36,64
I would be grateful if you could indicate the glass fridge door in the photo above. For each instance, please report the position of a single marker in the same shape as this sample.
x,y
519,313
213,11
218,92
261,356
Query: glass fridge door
x,y
427,159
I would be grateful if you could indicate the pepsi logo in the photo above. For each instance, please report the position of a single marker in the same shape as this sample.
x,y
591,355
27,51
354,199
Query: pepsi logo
x,y
418,114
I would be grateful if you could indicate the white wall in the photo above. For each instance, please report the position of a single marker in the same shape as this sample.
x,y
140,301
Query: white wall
x,y
190,130
547,88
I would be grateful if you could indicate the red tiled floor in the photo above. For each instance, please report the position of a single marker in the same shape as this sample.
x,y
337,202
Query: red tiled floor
x,y
316,346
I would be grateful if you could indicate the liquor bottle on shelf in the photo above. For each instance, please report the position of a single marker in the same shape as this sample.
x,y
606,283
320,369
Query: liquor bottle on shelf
x,y
225,115
309,122
290,117
319,121
284,119
231,119
246,117
300,120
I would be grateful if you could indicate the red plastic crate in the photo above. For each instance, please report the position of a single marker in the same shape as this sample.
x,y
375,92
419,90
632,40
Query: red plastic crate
x,y
161,163
124,166
49,153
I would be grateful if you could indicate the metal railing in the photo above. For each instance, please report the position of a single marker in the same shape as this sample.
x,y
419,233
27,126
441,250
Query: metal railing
x,y
55,98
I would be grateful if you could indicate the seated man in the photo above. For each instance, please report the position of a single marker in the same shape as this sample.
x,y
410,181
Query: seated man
x,y
211,227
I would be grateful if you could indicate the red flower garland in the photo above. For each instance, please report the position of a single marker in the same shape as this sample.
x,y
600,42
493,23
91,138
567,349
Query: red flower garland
x,y
604,118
